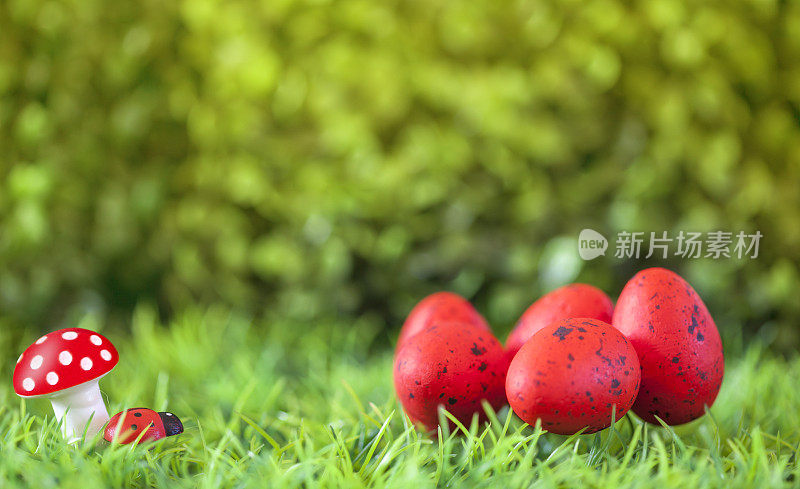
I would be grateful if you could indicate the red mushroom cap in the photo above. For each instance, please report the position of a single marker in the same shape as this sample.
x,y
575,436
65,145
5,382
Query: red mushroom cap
x,y
63,359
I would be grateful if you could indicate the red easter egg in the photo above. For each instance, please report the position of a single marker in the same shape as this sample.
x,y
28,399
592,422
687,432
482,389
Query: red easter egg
x,y
573,374
452,365
440,307
678,344
570,301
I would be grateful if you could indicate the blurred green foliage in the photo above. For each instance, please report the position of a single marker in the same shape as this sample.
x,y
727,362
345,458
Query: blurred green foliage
x,y
313,157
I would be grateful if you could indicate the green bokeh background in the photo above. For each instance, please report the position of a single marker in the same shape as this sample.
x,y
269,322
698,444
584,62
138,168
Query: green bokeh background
x,y
340,159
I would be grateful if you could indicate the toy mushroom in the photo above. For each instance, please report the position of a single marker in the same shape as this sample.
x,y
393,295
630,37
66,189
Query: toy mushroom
x,y
65,366
128,425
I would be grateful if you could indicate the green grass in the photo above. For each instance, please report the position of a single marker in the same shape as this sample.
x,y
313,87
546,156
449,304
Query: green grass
x,y
277,405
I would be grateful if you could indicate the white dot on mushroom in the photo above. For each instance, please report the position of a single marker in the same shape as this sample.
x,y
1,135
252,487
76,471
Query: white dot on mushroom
x,y
41,340
96,340
69,335
86,363
28,384
65,357
52,378
37,362
105,355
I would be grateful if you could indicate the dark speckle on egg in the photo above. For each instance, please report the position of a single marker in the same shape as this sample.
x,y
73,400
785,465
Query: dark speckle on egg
x,y
562,333
476,350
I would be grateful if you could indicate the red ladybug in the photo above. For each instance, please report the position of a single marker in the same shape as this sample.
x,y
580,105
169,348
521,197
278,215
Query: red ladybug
x,y
129,424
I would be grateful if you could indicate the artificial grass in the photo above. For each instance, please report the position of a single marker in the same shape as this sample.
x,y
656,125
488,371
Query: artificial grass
x,y
279,405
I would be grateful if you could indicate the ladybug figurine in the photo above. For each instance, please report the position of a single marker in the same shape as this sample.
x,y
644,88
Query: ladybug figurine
x,y
129,424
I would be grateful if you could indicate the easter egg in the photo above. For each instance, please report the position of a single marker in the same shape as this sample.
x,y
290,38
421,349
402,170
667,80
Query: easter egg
x,y
440,307
678,344
454,366
573,374
570,301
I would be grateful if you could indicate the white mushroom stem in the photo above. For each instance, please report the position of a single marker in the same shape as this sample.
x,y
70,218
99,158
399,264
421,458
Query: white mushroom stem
x,y
80,406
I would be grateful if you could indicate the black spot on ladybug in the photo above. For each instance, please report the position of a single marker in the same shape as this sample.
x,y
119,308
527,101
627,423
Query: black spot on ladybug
x,y
588,394
410,395
580,337
582,330
444,370
614,383
571,358
452,401
417,382
700,336
654,295
622,359
483,366
617,392
134,427
441,395
658,306
476,350
137,414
